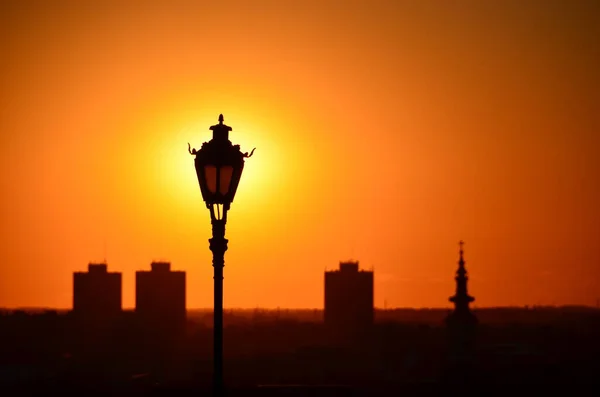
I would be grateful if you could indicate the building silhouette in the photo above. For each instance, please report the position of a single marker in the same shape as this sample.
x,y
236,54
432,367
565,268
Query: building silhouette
x,y
349,299
97,292
160,299
461,326
462,313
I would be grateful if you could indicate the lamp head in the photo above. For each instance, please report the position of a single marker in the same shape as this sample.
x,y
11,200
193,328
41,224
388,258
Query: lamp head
x,y
219,165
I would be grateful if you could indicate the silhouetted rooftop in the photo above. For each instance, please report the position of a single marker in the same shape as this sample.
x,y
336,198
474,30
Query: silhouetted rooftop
x,y
96,268
347,267
160,266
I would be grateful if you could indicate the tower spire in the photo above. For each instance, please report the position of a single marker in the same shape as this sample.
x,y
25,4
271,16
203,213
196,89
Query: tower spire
x,y
462,324
461,298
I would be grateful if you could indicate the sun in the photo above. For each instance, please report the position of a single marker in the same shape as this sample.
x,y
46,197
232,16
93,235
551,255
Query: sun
x,y
174,166
155,164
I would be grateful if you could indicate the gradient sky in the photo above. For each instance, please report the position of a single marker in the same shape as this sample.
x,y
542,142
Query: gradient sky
x,y
386,131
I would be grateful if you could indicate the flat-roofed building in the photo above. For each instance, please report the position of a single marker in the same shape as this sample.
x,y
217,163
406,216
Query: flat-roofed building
x,y
97,292
160,297
349,298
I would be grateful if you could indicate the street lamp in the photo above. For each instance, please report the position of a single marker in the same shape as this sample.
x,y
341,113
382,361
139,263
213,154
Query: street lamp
x,y
219,166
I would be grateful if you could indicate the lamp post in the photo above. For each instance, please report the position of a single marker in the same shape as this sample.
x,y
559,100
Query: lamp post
x,y
219,166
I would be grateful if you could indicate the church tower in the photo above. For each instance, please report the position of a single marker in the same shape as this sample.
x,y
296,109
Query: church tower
x,y
461,330
461,298
461,324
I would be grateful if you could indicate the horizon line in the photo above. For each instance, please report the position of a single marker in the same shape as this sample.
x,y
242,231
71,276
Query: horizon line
x,y
46,308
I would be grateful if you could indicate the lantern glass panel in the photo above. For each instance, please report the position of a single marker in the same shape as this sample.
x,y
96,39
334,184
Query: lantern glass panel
x,y
226,172
210,174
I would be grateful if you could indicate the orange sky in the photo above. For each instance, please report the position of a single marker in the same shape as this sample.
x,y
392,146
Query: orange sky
x,y
385,131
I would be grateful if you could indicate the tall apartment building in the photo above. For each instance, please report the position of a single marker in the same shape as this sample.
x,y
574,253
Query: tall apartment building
x,y
97,292
349,298
160,297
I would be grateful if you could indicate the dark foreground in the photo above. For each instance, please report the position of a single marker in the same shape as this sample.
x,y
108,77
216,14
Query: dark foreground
x,y
540,351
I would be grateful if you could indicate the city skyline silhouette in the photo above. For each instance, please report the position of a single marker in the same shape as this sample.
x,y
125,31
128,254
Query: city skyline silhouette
x,y
292,352
108,293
